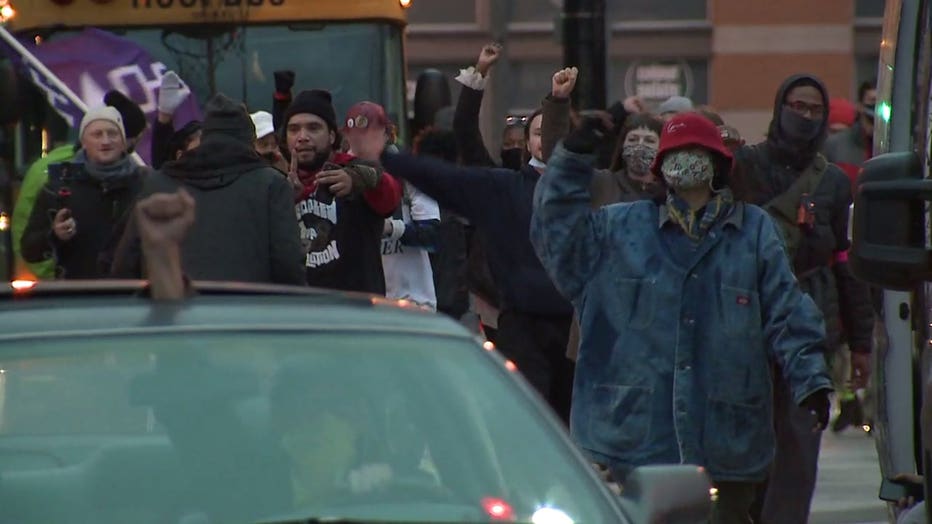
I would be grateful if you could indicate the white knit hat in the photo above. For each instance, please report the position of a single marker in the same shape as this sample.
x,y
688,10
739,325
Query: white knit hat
x,y
107,113
263,122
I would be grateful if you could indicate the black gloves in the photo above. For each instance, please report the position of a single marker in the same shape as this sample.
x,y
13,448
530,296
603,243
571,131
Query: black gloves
x,y
818,405
619,114
587,137
284,81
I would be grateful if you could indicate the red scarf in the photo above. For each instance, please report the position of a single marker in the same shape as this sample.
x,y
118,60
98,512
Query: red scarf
x,y
309,178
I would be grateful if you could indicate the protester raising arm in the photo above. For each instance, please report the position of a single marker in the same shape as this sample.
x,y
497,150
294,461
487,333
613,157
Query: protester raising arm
x,y
164,219
556,120
566,233
172,93
467,191
466,117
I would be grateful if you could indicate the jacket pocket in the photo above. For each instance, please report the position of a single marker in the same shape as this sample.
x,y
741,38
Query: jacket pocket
x,y
619,419
630,303
740,311
738,438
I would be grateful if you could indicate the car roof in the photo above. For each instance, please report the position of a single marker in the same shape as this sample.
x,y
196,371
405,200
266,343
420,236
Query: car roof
x,y
83,308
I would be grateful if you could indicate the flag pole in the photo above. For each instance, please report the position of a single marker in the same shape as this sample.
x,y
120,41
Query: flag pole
x,y
18,46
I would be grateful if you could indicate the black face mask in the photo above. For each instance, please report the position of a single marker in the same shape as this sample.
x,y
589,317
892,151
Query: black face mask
x,y
512,158
797,127
271,157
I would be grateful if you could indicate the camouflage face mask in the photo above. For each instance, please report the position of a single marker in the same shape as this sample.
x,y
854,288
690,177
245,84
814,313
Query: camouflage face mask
x,y
638,158
688,169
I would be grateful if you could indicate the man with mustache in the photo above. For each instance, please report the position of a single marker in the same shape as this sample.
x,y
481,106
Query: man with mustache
x,y
341,201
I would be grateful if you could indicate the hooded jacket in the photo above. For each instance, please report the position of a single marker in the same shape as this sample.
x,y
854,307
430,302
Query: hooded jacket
x,y
769,169
245,228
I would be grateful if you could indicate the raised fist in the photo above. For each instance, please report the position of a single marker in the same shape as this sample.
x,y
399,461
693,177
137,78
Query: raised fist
x,y
564,81
487,57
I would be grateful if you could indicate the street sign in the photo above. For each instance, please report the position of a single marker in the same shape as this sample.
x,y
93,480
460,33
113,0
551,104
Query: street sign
x,y
657,80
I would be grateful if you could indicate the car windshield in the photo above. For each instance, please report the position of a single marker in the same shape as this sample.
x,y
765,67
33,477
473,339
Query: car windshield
x,y
261,426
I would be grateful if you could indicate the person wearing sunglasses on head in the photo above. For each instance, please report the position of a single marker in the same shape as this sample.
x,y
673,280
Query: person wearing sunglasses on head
x,y
517,132
808,199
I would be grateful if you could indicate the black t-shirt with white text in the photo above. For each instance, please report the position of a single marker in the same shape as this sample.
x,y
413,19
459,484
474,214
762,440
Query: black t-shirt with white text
x,y
342,242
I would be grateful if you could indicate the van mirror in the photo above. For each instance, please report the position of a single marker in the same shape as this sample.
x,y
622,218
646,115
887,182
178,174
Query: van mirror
x,y
889,232
673,494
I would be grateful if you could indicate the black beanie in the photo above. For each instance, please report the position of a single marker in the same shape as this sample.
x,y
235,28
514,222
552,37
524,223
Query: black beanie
x,y
316,102
134,120
224,116
180,138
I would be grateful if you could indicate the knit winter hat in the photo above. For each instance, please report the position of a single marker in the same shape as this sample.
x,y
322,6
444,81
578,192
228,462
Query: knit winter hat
x,y
263,122
134,120
315,102
105,113
224,116
675,104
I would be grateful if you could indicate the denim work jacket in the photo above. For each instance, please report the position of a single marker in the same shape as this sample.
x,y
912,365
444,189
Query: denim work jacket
x,y
679,338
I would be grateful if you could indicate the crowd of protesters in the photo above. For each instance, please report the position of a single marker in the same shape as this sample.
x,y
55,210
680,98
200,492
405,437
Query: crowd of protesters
x,y
675,294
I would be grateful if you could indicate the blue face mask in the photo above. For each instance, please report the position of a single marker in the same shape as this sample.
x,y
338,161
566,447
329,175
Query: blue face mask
x,y
797,127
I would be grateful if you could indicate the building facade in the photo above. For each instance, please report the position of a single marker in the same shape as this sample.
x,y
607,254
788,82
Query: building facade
x,y
730,54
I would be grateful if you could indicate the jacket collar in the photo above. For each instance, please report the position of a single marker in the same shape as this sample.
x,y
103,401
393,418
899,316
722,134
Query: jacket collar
x,y
734,218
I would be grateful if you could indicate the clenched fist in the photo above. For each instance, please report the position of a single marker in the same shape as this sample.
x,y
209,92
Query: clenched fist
x,y
564,81
487,57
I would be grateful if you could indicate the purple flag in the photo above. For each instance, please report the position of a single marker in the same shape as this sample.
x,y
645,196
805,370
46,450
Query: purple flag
x,y
94,62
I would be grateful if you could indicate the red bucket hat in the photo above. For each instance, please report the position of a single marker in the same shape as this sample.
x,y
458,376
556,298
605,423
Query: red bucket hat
x,y
691,130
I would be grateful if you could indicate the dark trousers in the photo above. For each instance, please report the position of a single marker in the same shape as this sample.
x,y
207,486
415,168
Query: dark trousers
x,y
787,494
734,503
537,345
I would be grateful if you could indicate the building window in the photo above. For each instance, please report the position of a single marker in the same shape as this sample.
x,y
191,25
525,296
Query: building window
x,y
535,10
442,12
615,11
531,84
869,8
647,10
866,69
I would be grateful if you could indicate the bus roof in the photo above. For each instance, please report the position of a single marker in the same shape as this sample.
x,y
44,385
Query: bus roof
x,y
37,14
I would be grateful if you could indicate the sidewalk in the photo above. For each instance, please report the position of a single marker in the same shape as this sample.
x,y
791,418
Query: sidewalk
x,y
849,480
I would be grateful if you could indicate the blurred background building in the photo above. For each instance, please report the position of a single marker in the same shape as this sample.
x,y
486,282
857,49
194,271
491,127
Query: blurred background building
x,y
730,54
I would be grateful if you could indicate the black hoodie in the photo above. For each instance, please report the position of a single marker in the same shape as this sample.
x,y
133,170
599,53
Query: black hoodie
x,y
769,169
785,149
244,229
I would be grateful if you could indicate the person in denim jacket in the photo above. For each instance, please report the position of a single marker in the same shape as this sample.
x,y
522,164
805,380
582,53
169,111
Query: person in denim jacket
x,y
685,306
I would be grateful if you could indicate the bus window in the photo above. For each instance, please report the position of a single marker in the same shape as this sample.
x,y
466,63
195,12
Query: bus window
x,y
355,61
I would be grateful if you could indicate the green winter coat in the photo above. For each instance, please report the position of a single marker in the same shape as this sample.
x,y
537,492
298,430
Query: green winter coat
x,y
35,180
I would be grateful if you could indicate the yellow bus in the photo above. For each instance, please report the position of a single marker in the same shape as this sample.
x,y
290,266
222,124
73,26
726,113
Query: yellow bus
x,y
354,48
